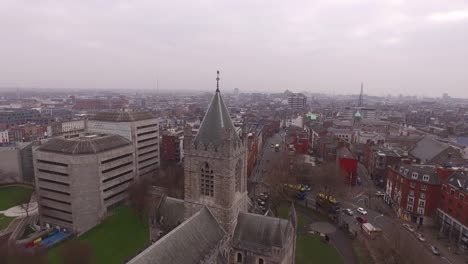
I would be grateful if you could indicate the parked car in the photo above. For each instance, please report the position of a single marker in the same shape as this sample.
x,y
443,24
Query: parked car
x,y
272,145
348,211
420,237
262,203
361,211
409,227
361,219
379,194
435,251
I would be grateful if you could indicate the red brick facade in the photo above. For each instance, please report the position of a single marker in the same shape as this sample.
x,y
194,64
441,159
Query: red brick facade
x,y
414,191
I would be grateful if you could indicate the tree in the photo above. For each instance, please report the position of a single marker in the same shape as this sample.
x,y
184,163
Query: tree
x,y
279,174
13,255
25,202
329,179
76,252
139,197
397,246
171,177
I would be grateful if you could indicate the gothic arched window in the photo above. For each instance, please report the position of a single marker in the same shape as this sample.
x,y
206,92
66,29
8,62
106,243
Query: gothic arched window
x,y
260,261
207,180
238,175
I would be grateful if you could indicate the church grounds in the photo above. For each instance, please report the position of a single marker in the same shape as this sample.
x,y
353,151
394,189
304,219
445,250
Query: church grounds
x,y
117,239
12,195
310,248
5,221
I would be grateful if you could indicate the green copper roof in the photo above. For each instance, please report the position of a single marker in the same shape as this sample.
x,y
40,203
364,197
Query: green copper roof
x,y
216,120
357,114
312,116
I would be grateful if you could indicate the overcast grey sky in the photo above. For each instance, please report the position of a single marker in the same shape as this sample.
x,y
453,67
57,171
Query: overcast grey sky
x,y
417,47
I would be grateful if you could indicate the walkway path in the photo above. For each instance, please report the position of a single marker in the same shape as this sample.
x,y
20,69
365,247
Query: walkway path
x,y
18,211
338,238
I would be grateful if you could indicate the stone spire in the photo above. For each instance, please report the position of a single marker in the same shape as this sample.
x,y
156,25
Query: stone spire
x,y
216,121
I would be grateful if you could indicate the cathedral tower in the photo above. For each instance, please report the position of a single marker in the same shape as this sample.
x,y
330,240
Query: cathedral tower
x,y
215,166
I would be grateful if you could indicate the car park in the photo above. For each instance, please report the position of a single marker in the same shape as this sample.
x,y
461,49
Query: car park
x,y
361,220
361,211
348,211
435,250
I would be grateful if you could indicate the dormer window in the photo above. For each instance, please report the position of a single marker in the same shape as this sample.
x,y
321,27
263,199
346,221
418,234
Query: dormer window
x,y
414,175
426,177
401,169
405,172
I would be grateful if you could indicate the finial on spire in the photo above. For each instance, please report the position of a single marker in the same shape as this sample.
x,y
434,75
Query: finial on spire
x,y
217,82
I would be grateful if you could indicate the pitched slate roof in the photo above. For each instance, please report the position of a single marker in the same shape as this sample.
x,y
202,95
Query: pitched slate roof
x,y
214,123
84,144
122,116
259,230
459,179
408,170
428,148
188,243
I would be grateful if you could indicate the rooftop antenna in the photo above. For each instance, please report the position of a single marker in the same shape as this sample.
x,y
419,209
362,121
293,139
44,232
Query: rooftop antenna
x,y
217,81
360,95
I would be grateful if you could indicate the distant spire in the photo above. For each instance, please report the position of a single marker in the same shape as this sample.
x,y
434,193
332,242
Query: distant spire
x,y
360,95
217,82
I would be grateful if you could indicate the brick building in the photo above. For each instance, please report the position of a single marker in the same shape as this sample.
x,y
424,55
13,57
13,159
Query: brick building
x,y
27,132
172,147
414,192
453,211
348,164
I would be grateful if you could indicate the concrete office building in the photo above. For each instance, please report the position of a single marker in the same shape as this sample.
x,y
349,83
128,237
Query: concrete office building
x,y
141,128
16,163
80,177
297,101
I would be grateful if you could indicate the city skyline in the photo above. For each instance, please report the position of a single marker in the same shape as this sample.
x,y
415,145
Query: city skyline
x,y
393,46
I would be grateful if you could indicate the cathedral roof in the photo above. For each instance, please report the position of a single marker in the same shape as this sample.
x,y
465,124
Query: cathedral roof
x,y
189,243
259,230
215,122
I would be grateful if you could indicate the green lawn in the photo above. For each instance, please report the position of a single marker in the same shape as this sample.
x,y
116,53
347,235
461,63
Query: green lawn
x,y
283,212
12,195
310,249
119,237
5,221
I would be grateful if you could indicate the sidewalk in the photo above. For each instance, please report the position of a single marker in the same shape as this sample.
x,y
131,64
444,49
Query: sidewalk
x,y
431,233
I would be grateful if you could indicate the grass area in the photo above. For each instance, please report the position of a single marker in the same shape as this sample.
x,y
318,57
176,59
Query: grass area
x,y
283,212
362,253
118,238
5,221
13,195
310,249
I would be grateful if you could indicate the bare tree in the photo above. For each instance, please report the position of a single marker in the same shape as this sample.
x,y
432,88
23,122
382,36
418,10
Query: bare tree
x,y
25,202
13,255
279,174
139,197
171,177
76,252
329,179
398,247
